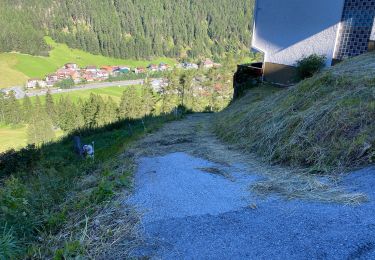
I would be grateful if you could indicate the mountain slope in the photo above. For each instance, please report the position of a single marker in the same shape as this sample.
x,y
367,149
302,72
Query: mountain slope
x,y
128,28
325,123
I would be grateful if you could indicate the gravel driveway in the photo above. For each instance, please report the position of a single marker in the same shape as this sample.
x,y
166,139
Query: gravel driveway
x,y
193,208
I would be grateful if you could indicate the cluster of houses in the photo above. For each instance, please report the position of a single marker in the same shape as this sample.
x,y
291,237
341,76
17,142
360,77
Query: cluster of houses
x,y
205,64
93,73
90,74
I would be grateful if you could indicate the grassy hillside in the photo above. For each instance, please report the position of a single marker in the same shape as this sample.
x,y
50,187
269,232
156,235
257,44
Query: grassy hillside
x,y
16,68
325,123
49,196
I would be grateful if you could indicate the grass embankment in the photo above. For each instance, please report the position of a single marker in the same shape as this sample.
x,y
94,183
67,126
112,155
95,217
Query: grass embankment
x,y
16,68
55,205
324,124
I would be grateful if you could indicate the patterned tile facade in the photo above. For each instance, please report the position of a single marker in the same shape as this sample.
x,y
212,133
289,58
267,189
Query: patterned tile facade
x,y
356,27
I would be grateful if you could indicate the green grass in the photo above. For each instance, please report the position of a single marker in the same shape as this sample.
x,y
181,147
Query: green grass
x,y
16,137
16,68
12,138
50,198
114,92
324,124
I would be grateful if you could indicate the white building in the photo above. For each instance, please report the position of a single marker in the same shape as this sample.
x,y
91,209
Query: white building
x,y
36,83
158,85
288,30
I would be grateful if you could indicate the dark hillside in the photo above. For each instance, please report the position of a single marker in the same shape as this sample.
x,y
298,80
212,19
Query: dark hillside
x,y
128,28
50,197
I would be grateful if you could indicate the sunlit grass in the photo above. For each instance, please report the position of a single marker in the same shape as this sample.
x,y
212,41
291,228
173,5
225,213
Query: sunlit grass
x,y
114,92
16,137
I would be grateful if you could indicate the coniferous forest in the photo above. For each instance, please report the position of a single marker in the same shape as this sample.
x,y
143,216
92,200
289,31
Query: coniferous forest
x,y
128,28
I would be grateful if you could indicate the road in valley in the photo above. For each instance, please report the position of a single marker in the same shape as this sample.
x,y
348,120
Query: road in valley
x,y
20,92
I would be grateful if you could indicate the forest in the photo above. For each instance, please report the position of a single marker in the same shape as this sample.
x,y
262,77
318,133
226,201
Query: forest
x,y
186,29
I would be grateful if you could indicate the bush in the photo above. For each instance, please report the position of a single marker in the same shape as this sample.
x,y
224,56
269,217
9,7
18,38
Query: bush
x,y
308,66
18,161
65,84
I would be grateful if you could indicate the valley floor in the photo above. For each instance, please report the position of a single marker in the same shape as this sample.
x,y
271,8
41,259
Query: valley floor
x,y
20,93
196,197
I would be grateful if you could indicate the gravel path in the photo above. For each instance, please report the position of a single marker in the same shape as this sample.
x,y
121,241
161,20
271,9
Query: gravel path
x,y
194,208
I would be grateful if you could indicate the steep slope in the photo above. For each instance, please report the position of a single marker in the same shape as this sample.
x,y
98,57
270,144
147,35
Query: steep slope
x,y
128,28
325,123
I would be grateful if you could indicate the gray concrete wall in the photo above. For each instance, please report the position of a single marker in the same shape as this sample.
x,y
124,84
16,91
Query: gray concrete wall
x,y
287,30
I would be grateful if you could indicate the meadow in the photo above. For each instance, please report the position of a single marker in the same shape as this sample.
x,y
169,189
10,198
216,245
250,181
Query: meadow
x,y
16,137
16,68
114,92
11,137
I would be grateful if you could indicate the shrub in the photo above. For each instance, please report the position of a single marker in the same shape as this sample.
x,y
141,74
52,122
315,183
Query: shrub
x,y
65,84
17,161
308,66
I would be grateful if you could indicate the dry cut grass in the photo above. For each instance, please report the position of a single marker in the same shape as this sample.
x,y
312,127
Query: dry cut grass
x,y
324,124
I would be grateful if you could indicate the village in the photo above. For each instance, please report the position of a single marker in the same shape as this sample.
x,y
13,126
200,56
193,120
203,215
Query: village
x,y
92,73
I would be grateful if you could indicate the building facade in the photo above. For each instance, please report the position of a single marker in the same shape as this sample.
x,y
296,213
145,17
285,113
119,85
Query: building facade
x,y
286,31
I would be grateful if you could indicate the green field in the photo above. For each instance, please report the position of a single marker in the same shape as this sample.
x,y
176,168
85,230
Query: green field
x,y
16,138
114,92
16,68
12,137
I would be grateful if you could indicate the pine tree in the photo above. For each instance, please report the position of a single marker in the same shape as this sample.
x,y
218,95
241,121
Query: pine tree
x,y
130,104
27,109
40,128
111,111
91,112
170,93
69,115
186,81
12,109
50,107
148,100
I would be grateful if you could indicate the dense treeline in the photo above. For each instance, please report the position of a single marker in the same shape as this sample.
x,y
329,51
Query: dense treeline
x,y
128,28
